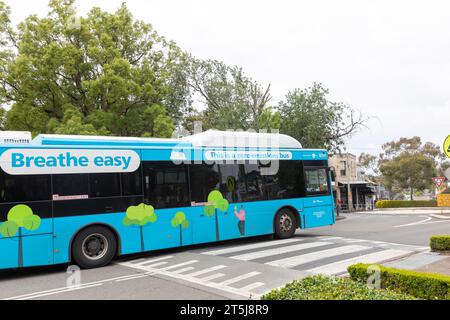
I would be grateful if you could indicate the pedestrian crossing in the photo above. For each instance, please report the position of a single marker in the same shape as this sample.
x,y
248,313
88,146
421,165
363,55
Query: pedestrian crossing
x,y
251,269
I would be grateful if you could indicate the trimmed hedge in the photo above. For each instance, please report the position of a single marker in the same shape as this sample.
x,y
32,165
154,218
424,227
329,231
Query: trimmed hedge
x,y
330,288
430,286
405,204
440,243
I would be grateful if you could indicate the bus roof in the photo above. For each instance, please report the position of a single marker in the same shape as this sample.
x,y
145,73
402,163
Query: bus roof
x,y
207,139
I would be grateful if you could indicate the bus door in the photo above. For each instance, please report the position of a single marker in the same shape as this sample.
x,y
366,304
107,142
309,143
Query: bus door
x,y
318,203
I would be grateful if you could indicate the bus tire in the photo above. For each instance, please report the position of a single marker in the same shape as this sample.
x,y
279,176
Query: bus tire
x,y
285,224
94,247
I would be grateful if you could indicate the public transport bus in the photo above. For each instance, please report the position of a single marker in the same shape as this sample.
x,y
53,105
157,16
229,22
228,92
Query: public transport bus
x,y
87,199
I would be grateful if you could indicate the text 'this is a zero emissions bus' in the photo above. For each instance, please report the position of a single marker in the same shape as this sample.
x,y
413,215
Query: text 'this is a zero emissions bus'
x,y
87,199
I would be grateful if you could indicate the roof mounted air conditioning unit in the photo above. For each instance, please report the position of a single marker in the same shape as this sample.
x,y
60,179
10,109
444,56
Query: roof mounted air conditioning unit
x,y
15,137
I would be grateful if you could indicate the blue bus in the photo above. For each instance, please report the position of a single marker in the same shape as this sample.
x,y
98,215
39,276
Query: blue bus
x,y
88,199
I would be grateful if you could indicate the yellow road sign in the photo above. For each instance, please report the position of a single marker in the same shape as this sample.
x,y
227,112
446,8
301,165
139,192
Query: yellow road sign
x,y
447,146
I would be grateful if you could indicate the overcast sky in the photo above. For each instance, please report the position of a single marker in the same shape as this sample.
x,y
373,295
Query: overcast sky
x,y
389,59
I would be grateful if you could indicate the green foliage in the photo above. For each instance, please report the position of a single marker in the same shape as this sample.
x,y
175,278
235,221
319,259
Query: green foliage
x,y
409,165
180,219
101,73
330,288
316,122
233,100
440,243
139,215
216,201
405,203
430,286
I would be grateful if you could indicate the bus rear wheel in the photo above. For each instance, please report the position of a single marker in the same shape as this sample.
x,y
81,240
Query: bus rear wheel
x,y
285,224
94,247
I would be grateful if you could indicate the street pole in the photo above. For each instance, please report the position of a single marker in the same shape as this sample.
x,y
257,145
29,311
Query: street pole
x,y
349,190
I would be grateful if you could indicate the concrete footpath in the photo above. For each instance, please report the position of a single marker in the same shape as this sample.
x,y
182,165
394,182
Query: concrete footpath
x,y
426,262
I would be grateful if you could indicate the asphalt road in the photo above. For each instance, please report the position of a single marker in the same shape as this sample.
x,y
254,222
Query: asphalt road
x,y
235,269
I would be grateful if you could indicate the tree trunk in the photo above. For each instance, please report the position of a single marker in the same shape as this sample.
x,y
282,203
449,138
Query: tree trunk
x,y
181,236
20,258
142,239
411,195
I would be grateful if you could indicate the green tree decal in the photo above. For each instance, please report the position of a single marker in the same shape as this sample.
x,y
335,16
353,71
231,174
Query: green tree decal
x,y
216,202
139,216
179,220
19,216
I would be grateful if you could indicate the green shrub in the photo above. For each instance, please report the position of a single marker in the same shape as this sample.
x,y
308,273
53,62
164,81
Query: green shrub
x,y
431,286
405,204
331,288
440,243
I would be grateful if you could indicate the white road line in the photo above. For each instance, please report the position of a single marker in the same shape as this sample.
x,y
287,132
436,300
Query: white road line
x,y
65,289
275,251
213,276
271,243
252,286
413,224
239,278
341,266
330,238
148,261
179,265
314,256
157,264
133,277
183,270
198,273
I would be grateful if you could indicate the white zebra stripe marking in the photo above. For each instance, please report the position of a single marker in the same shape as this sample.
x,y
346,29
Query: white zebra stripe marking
x,y
259,245
239,278
213,276
200,272
341,266
275,251
140,263
314,256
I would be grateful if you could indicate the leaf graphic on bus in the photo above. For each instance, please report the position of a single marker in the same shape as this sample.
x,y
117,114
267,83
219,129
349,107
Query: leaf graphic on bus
x,y
20,216
209,210
140,215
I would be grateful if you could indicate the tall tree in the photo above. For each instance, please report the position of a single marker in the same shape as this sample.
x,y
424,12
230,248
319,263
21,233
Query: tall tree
x,y
308,116
407,165
102,73
232,100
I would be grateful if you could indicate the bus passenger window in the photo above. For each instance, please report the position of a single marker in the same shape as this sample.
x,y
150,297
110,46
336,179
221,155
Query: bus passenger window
x,y
23,188
71,184
316,181
166,185
132,183
102,185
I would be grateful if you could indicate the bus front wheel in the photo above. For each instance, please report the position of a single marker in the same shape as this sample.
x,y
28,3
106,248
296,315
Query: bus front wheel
x,y
94,247
285,224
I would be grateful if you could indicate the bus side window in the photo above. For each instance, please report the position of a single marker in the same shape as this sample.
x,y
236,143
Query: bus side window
x,y
70,184
132,183
102,185
166,185
24,188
